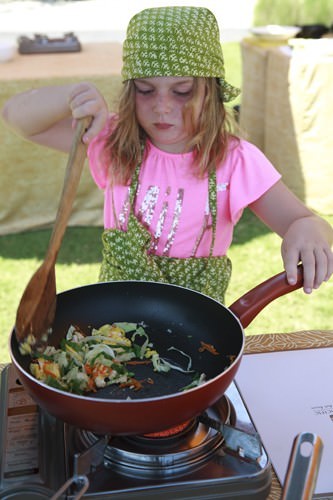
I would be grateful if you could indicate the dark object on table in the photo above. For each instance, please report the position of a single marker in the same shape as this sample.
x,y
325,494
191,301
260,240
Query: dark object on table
x,y
312,31
42,44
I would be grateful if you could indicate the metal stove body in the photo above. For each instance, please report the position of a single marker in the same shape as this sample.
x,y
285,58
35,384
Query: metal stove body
x,y
39,454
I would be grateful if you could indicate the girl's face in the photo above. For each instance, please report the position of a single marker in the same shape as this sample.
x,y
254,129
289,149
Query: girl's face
x,y
161,106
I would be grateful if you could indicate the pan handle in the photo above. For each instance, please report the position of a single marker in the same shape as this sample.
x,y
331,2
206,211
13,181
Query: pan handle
x,y
247,307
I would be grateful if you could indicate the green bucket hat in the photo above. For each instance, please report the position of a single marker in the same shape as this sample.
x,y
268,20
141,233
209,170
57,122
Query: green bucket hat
x,y
175,41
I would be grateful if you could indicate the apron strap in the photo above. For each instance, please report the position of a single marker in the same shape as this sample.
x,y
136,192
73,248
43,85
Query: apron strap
x,y
134,185
212,197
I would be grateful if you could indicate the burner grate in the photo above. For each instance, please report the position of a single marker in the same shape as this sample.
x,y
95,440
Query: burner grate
x,y
167,453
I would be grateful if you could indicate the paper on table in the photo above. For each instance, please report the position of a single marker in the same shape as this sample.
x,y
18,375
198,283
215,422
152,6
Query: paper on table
x,y
287,393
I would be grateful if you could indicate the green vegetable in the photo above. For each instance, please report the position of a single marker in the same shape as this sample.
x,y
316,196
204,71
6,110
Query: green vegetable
x,y
87,363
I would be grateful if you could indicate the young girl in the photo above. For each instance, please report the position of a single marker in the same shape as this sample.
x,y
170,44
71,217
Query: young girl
x,y
176,179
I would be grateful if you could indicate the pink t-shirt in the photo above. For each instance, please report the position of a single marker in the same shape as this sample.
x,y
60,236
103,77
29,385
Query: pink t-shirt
x,y
172,203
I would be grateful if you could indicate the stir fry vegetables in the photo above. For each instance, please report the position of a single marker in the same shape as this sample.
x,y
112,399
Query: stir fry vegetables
x,y
86,363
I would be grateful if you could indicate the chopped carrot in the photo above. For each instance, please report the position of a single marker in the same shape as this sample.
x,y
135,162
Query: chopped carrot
x,y
88,369
51,369
132,383
144,362
208,347
91,385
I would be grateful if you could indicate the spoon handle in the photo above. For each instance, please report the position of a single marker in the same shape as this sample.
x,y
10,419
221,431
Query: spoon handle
x,y
73,172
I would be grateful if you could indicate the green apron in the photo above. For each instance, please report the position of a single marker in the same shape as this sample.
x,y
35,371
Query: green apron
x,y
126,257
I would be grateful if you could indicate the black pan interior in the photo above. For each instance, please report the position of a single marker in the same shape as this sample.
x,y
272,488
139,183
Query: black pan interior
x,y
172,316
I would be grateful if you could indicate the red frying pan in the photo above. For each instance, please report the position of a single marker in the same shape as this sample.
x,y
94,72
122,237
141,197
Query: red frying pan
x,y
175,316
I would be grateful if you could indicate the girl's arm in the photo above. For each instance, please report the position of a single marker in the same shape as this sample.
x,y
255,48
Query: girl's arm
x,y
45,115
306,237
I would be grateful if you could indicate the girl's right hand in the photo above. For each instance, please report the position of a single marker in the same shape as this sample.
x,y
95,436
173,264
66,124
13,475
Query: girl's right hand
x,y
86,100
45,115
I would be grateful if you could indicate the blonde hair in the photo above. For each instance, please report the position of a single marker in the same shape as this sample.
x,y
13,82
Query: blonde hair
x,y
124,148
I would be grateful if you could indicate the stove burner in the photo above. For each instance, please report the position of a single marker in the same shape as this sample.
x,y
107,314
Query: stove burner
x,y
177,430
191,464
161,454
169,439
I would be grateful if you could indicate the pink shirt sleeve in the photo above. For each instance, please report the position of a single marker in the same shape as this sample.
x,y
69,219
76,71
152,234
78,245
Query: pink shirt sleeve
x,y
252,175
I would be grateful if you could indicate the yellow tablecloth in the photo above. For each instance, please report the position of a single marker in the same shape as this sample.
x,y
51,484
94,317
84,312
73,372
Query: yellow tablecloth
x,y
31,176
287,110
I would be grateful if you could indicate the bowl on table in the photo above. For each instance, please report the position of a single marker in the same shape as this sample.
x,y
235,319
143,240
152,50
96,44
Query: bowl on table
x,y
275,32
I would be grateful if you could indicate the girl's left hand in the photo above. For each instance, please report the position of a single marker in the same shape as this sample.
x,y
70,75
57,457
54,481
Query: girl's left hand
x,y
306,241
307,238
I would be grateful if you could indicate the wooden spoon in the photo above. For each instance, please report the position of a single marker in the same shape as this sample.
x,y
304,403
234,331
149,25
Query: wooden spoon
x,y
37,307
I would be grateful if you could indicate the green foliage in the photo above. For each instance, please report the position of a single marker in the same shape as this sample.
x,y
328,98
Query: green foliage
x,y
293,12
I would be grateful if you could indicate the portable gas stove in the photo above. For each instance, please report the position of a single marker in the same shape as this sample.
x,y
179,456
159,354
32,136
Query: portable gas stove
x,y
42,456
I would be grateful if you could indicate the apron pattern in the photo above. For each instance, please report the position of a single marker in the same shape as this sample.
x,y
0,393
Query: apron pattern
x,y
126,256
